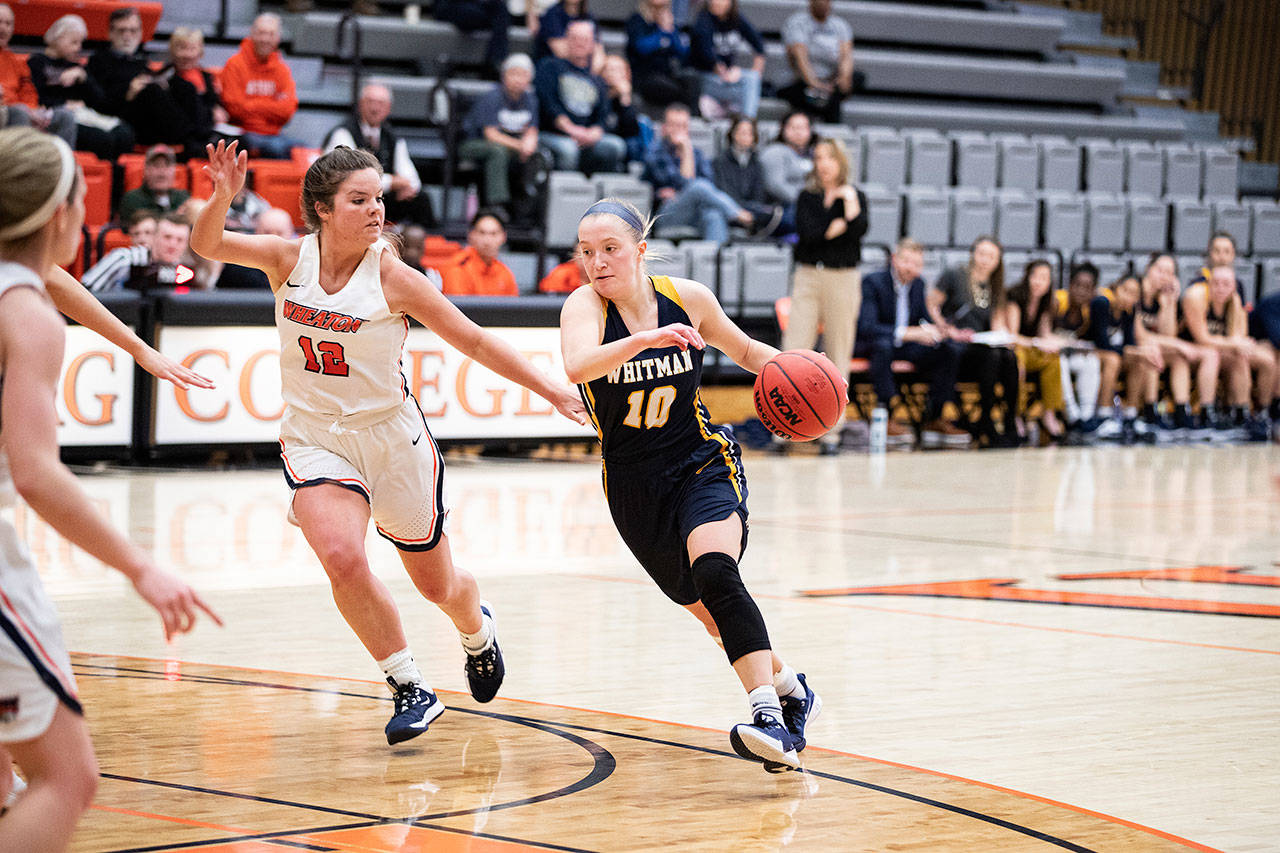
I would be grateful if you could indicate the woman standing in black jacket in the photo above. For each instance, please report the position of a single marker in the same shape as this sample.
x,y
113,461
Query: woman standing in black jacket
x,y
831,219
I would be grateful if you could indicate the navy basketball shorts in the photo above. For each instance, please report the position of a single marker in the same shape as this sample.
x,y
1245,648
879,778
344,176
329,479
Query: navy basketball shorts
x,y
656,508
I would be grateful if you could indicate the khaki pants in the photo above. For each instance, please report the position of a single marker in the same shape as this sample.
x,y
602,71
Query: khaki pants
x,y
826,299
1049,366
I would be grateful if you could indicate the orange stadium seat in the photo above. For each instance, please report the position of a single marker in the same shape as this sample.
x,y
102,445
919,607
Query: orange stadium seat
x,y
97,182
33,17
280,183
201,186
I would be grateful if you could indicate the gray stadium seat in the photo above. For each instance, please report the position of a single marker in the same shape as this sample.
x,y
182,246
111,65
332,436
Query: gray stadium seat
x,y
1189,267
852,142
886,157
1192,224
884,212
973,214
976,160
1266,228
1017,220
1060,163
873,258
954,257
1103,166
929,158
1237,220
663,257
626,187
1269,283
1064,219
1221,173
1106,225
933,267
765,270
1181,172
703,136
1148,225
568,195
929,216
1144,170
524,266
701,257
1019,163
1247,276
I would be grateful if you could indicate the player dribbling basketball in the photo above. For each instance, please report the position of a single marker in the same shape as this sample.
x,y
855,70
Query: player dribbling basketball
x,y
674,481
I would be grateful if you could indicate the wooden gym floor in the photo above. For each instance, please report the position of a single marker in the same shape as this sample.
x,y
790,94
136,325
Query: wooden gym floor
x,y
1067,649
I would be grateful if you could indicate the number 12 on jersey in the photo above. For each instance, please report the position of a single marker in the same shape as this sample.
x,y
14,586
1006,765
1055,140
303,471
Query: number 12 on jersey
x,y
656,412
331,361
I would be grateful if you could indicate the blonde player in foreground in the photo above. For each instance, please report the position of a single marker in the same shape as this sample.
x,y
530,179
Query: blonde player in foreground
x,y
42,725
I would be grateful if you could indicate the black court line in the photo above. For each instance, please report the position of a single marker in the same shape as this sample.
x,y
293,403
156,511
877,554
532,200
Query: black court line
x,y
552,728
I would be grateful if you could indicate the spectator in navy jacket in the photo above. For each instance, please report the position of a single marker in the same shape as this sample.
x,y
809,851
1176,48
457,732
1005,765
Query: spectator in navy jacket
x,y
659,55
721,39
552,26
623,119
893,325
574,104
682,182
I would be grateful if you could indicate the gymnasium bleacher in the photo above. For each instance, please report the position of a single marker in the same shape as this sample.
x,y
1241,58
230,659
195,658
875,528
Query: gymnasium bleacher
x,y
978,117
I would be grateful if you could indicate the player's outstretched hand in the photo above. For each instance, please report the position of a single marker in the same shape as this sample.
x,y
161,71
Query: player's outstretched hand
x,y
677,335
163,367
176,602
569,403
227,168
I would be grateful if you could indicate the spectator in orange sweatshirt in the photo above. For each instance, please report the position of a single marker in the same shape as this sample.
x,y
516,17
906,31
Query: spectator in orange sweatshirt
x,y
476,270
19,101
258,90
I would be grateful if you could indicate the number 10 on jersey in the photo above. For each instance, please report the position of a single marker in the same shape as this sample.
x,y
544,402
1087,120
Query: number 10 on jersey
x,y
655,413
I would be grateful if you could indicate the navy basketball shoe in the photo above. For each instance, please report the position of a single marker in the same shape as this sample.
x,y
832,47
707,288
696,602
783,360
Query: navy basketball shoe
x,y
485,669
415,710
798,713
766,740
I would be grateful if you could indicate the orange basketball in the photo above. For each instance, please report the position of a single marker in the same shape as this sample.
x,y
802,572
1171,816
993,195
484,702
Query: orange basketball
x,y
799,394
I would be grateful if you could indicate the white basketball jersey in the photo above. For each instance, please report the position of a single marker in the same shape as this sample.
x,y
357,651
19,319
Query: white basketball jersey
x,y
340,353
12,275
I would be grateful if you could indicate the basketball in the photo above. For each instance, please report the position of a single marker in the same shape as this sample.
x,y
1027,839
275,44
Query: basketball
x,y
799,395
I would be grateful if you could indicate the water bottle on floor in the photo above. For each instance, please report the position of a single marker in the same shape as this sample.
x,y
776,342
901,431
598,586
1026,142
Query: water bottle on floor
x,y
879,429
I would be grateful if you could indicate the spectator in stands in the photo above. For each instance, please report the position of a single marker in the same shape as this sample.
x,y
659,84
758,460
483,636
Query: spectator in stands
x,y
1080,367
476,270
565,278
245,209
471,16
1158,315
259,92
623,119
61,81
143,268
1220,253
19,100
1029,315
550,29
738,172
1122,346
820,50
788,160
133,93
831,219
413,245
684,185
1213,315
115,267
574,104
502,135
368,128
893,325
193,89
158,192
659,54
722,38
275,222
969,300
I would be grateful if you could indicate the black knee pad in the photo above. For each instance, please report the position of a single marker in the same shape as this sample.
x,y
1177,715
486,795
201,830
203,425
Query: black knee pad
x,y
720,589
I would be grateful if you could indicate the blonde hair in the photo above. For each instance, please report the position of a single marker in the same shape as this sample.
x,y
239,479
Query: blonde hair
x,y
186,35
637,237
841,155
31,171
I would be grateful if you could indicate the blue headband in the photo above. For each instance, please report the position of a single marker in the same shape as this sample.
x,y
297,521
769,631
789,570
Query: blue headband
x,y
617,210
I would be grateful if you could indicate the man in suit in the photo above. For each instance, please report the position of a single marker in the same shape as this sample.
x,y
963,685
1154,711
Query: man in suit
x,y
893,325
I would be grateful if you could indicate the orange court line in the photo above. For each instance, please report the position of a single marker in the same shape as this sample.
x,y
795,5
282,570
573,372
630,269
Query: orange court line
x,y
402,838
171,819
1011,791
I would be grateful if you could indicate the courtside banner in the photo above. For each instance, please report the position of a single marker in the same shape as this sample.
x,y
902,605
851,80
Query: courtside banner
x,y
461,399
95,393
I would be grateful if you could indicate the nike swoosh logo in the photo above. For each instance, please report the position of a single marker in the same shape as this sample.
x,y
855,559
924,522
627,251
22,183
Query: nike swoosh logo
x,y
291,284
421,724
416,440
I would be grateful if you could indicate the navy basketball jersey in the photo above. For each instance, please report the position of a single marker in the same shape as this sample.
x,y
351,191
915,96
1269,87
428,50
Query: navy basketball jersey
x,y
648,410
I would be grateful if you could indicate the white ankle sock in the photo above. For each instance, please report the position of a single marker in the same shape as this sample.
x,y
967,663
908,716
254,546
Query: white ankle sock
x,y
400,668
764,699
480,640
786,683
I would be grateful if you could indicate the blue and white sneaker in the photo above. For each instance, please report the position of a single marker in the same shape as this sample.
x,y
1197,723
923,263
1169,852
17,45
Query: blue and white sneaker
x,y
798,713
766,740
485,670
415,710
